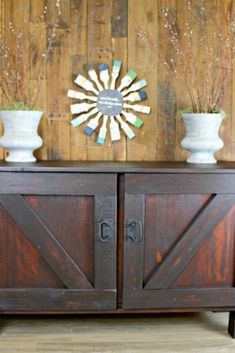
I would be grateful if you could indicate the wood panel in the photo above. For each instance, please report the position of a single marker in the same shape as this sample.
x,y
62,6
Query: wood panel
x,y
78,60
60,184
186,184
181,298
21,300
167,124
96,31
186,251
27,267
80,246
163,232
142,49
44,241
191,241
66,257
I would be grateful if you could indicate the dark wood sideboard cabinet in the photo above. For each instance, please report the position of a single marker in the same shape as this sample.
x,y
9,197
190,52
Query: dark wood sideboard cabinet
x,y
102,237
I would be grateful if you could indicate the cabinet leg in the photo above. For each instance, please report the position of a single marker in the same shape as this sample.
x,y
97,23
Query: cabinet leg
x,y
231,324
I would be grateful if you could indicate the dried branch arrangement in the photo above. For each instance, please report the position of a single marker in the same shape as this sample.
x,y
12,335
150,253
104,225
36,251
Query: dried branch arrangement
x,y
202,53
14,67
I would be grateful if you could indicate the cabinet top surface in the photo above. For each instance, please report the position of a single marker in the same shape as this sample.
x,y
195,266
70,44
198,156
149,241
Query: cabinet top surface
x,y
117,167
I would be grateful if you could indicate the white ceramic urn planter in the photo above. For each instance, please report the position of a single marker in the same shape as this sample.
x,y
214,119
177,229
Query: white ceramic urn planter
x,y
20,136
202,137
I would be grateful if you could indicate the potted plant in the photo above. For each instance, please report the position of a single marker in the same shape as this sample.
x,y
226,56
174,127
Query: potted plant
x,y
203,69
19,113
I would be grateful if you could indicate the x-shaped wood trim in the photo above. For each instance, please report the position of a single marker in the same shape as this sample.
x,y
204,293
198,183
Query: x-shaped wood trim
x,y
190,242
45,242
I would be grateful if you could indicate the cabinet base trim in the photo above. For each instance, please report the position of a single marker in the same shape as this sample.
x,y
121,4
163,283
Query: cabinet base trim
x,y
180,298
51,300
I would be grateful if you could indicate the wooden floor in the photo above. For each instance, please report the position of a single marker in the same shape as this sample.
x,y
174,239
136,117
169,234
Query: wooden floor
x,y
206,332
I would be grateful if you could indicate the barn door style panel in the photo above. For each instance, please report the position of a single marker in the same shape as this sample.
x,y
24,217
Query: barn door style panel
x,y
57,242
179,241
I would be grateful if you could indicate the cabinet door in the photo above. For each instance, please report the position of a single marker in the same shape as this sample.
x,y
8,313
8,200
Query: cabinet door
x,y
179,241
57,242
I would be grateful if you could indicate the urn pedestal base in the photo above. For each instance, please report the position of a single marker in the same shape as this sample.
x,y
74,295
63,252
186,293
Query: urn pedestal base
x,y
202,139
20,135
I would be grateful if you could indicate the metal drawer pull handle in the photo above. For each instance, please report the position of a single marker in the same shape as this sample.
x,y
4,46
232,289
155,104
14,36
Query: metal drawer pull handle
x,y
134,230
105,229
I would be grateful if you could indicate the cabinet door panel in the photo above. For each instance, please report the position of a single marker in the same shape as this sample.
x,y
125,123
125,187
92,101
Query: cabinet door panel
x,y
185,256
61,247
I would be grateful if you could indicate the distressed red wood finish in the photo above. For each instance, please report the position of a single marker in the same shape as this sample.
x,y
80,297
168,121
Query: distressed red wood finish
x,y
184,256
63,251
51,246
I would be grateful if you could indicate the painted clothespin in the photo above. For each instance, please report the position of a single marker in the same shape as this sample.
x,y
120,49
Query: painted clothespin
x,y
127,79
133,119
136,96
92,125
138,108
114,130
115,73
104,75
81,107
126,128
80,95
103,131
135,87
93,76
81,118
86,84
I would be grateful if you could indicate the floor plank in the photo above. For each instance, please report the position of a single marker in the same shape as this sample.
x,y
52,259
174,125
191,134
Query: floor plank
x,y
167,333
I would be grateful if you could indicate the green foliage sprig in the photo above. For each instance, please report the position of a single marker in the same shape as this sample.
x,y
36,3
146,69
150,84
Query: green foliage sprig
x,y
189,110
16,106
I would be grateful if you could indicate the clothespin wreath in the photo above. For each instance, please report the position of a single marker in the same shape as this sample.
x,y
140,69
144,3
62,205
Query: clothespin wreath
x,y
108,104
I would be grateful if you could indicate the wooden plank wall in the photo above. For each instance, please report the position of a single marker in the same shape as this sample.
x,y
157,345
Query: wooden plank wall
x,y
98,31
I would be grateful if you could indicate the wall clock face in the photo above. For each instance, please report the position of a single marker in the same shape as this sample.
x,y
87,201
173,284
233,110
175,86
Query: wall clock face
x,y
110,102
108,105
